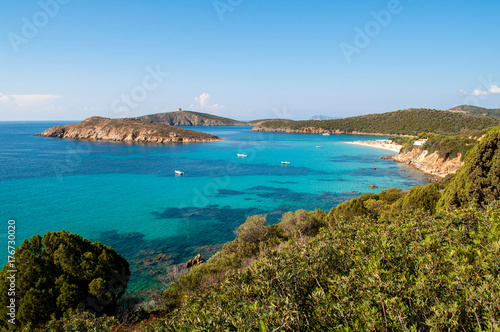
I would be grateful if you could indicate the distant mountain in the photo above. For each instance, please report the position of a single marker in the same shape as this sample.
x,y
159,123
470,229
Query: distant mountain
x,y
127,130
322,117
189,118
404,122
476,111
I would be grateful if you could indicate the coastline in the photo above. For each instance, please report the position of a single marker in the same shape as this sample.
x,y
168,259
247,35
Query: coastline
x,y
374,144
430,164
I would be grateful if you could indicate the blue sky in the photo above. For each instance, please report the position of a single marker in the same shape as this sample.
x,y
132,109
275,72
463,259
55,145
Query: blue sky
x,y
71,59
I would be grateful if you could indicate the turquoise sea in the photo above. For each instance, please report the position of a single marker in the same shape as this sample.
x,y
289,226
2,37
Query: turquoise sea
x,y
127,196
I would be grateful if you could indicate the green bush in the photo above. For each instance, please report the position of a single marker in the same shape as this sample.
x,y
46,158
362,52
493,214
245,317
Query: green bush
x,y
302,222
82,321
253,230
62,271
449,147
419,198
477,183
368,205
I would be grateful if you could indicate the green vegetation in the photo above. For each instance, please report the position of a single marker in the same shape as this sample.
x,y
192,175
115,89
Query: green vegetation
x,y
449,146
389,204
405,122
80,321
62,271
477,111
415,273
477,183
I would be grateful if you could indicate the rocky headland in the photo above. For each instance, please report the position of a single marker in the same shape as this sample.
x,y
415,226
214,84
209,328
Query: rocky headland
x,y
430,163
421,159
127,130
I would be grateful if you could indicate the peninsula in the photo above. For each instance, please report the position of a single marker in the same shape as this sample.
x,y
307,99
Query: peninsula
x,y
127,130
408,122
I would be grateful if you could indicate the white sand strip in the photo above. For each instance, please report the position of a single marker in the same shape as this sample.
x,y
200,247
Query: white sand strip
x,y
374,144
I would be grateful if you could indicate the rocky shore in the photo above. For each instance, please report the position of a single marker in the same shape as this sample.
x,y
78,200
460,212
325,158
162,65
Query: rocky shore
x,y
429,163
127,130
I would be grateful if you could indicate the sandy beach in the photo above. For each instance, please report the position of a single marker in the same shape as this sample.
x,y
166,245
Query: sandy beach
x,y
374,144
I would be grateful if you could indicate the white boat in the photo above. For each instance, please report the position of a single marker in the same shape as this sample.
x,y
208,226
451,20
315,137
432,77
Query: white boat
x,y
285,163
326,134
318,146
179,173
242,155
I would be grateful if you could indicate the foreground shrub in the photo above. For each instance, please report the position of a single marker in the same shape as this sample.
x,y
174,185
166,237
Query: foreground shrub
x,y
477,183
62,271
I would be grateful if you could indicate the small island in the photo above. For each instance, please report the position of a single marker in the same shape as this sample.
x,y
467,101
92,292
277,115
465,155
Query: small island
x,y
127,130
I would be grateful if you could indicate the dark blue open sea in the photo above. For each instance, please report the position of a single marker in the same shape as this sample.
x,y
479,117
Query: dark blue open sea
x,y
127,196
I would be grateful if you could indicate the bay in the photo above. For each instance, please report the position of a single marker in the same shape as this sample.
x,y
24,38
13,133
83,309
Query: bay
x,y
128,197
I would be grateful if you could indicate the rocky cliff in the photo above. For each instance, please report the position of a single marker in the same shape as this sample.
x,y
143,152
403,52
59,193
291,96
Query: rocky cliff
x,y
127,130
429,163
188,118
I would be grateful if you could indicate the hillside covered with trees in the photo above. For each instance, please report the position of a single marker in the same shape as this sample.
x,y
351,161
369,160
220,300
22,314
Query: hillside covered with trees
x,y
476,111
404,122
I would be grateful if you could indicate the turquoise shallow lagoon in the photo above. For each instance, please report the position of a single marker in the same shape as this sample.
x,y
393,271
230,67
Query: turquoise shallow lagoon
x,y
128,197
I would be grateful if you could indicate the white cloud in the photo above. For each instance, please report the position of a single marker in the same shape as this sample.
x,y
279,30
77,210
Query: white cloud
x,y
203,104
26,101
478,92
494,89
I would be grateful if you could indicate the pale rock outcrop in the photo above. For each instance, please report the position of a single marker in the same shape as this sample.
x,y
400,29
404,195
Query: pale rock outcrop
x,y
429,163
